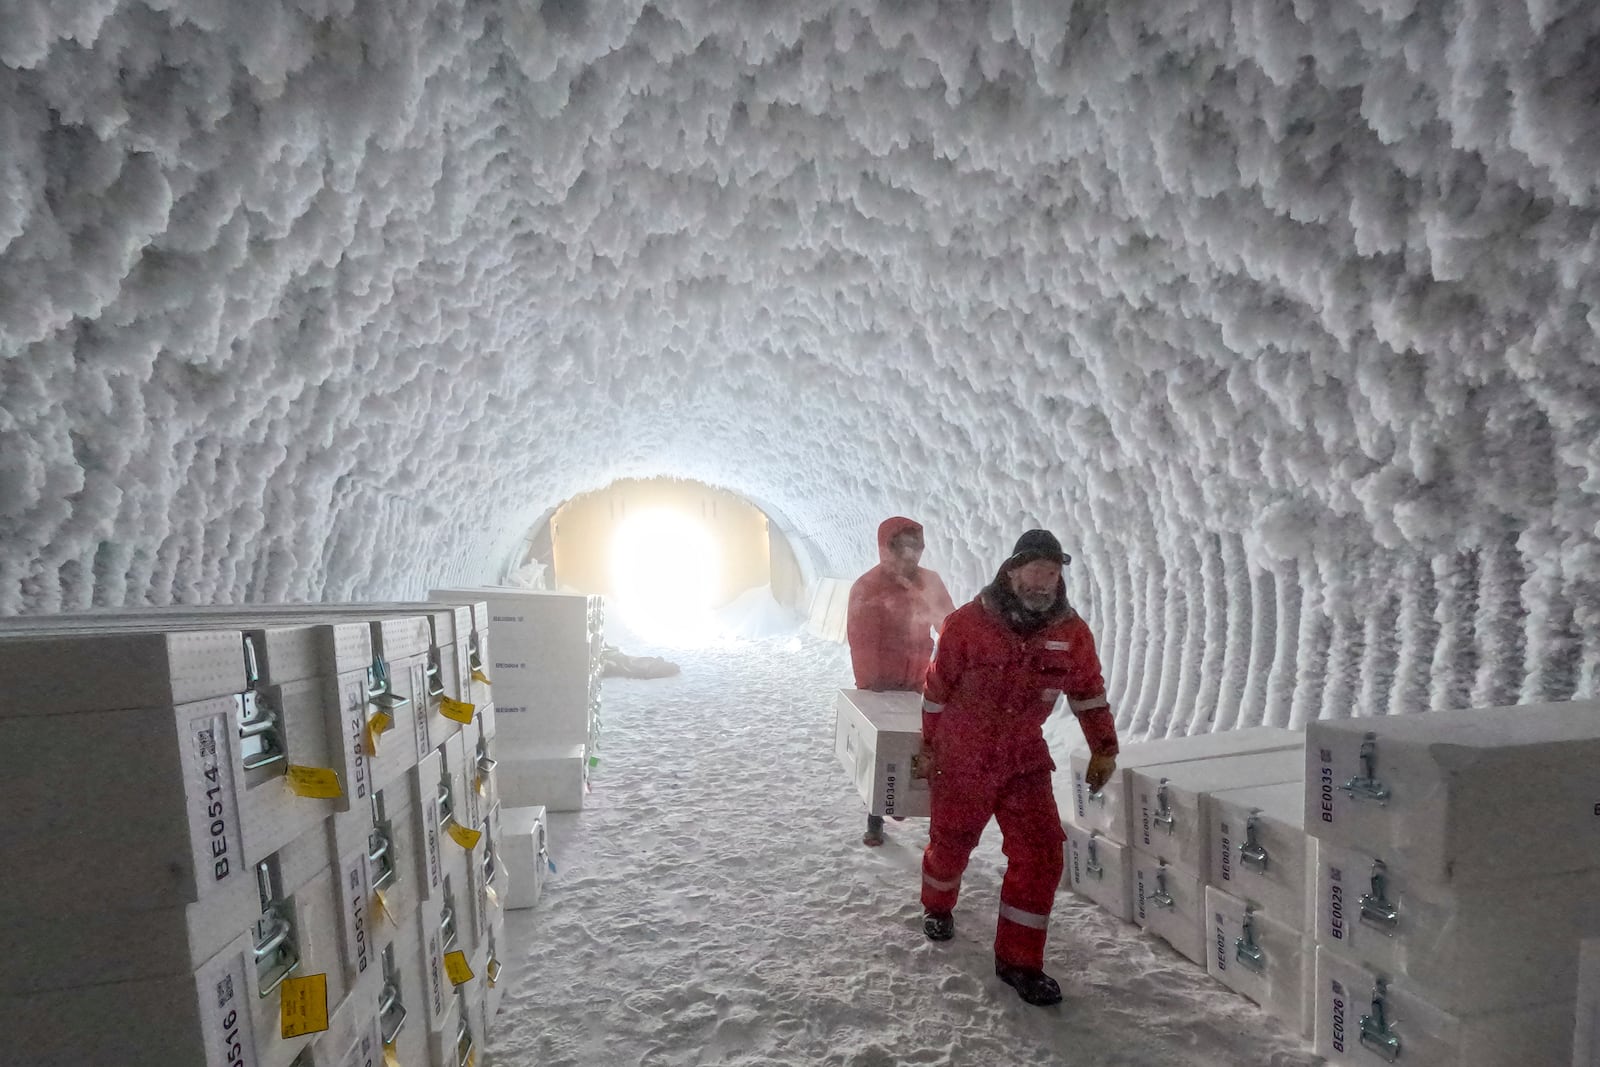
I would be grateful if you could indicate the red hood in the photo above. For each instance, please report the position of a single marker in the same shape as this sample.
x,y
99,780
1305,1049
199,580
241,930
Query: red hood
x,y
888,530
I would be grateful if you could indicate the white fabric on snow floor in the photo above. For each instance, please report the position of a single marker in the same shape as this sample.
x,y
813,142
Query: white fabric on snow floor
x,y
713,905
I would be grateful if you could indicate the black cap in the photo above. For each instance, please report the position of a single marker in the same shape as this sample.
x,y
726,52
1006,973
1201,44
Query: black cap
x,y
1038,544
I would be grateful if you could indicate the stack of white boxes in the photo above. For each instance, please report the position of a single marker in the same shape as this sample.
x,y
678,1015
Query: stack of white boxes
x,y
545,674
1198,840
1458,872
165,890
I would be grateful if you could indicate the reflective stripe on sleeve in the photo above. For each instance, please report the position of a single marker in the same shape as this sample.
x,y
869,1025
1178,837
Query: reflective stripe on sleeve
x,y
1024,918
1089,704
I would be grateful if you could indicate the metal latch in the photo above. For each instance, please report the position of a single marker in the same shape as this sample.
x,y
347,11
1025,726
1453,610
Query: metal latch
x,y
463,1036
1365,786
1163,815
1093,866
435,674
380,690
447,916
1161,898
1377,911
1251,853
391,1011
486,762
276,955
1375,1033
261,742
1245,949
474,657
380,845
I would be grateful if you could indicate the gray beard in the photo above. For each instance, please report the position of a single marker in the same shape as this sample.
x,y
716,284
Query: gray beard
x,y
1038,601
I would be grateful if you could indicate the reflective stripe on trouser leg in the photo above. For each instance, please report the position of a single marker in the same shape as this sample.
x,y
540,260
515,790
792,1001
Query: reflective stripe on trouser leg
x,y
959,810
1031,839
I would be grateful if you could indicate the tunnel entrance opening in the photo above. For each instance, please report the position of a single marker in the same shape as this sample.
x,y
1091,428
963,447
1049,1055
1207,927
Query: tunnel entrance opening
x,y
681,563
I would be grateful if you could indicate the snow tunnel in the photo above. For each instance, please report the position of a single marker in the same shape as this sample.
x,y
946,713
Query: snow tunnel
x,y
1282,315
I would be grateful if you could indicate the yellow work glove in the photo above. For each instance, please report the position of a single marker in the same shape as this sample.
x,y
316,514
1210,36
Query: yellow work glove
x,y
922,762
1099,772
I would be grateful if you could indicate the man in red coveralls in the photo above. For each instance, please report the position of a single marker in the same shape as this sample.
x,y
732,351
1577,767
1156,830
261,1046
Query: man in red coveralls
x,y
892,608
1003,661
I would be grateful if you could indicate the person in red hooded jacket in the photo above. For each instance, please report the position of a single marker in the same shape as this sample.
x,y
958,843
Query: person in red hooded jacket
x,y
1003,662
894,610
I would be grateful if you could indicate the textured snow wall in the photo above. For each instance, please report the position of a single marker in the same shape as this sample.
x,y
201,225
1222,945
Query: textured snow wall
x,y
1283,314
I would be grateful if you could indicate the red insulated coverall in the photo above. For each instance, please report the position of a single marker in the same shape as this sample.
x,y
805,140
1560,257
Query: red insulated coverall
x,y
889,617
988,694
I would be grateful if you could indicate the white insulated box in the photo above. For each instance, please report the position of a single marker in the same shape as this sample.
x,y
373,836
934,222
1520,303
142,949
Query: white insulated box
x,y
47,949
1107,810
428,827
203,1019
1462,948
1363,1018
1462,797
875,737
169,777
525,854
1257,957
1170,903
1586,1036
439,932
1260,850
554,777
1100,869
1169,800
354,1037
66,673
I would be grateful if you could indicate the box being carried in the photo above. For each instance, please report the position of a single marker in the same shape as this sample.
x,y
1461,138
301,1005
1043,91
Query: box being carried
x,y
875,737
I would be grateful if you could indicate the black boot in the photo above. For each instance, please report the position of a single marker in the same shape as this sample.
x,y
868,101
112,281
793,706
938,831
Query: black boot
x,y
1031,985
938,925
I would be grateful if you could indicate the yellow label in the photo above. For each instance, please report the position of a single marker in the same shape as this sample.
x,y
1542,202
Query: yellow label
x,y
382,722
391,1058
492,972
380,904
478,782
304,1007
459,710
479,676
467,839
472,1058
457,967
320,783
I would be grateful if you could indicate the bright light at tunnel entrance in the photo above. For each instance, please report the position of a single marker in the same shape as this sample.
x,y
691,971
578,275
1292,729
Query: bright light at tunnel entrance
x,y
665,572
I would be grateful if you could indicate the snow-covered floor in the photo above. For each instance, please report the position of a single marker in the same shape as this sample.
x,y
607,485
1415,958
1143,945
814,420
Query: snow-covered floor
x,y
713,905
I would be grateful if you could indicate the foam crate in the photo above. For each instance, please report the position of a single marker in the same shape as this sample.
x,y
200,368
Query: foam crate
x,y
1416,1033
1464,797
202,1018
1261,852
1100,869
169,774
1586,1035
387,834
554,777
1465,949
1108,810
1257,957
875,737
1170,903
1169,800
525,854
65,673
